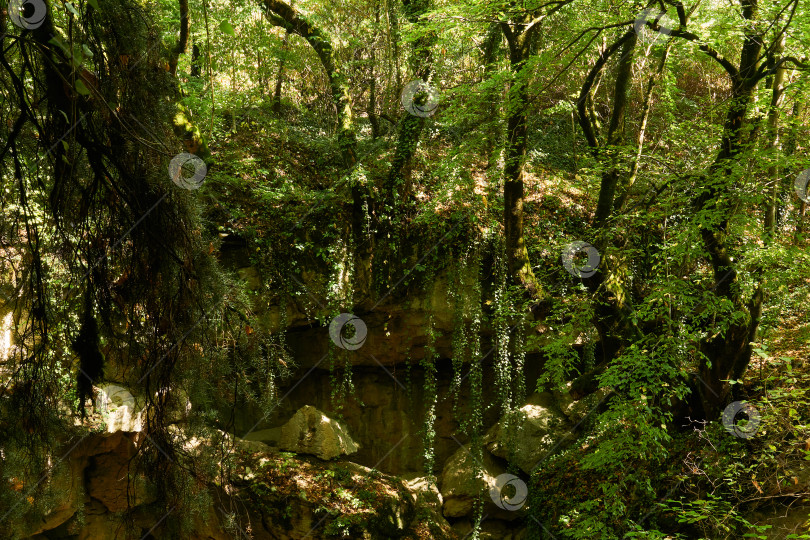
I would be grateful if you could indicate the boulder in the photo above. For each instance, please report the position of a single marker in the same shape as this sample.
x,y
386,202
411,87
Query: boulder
x,y
459,488
118,408
102,526
579,409
65,482
310,431
425,491
531,433
491,529
269,437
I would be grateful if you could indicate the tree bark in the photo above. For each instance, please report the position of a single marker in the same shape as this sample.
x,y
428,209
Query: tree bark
x,y
182,43
280,77
728,353
517,256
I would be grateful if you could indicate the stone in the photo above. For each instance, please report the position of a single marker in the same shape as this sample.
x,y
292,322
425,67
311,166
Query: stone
x,y
118,408
425,491
65,482
495,529
102,526
580,408
251,275
270,437
179,406
310,431
531,433
108,481
459,488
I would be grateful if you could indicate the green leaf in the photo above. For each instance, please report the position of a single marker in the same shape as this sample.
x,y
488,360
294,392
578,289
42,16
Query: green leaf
x,y
72,9
86,50
56,40
94,4
81,88
226,27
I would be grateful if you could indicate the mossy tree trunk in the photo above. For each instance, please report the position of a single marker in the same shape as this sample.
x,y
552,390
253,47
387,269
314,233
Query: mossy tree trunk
x,y
611,302
727,354
518,38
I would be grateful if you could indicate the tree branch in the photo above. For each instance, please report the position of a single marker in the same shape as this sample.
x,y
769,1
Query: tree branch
x,y
584,120
182,43
703,46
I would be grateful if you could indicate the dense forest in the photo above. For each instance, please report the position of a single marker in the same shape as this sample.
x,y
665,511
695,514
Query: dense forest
x,y
285,269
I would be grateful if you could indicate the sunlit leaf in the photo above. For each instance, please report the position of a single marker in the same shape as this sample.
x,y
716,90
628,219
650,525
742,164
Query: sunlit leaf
x,y
226,27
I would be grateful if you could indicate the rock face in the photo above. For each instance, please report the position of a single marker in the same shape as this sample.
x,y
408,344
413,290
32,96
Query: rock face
x,y
529,434
119,409
361,502
310,431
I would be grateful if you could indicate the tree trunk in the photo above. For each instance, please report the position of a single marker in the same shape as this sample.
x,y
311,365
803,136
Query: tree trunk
x,y
616,133
517,256
280,77
627,183
372,92
727,354
195,61
182,43
773,146
610,308
398,181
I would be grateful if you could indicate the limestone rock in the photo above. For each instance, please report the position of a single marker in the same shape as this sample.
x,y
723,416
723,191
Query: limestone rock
x,y
119,408
579,409
66,481
529,434
251,275
310,431
102,526
425,491
459,488
491,529
269,437
109,482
